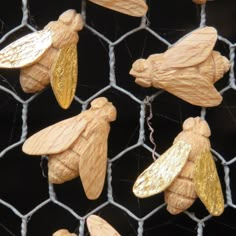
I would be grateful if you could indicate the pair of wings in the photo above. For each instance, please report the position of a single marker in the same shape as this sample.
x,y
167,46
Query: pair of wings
x,y
92,157
189,51
129,7
30,48
99,227
160,174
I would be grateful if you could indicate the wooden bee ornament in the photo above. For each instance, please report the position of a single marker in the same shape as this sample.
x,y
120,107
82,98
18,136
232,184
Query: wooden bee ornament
x,y
63,232
99,227
77,147
186,170
130,7
188,69
48,56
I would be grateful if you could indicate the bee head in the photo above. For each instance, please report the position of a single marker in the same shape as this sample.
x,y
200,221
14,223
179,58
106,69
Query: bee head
x,y
104,107
140,65
73,19
198,126
140,70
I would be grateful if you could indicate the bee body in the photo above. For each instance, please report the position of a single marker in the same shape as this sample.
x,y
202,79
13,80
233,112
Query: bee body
x,y
181,194
212,69
63,169
35,77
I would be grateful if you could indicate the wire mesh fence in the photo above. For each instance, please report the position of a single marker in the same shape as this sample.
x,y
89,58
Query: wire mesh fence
x,y
109,43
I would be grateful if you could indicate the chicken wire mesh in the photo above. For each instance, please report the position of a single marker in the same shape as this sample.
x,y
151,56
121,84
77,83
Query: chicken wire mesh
x,y
109,44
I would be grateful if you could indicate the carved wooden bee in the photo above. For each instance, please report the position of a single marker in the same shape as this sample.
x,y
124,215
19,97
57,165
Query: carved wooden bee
x,y
77,147
48,56
186,170
99,227
188,69
129,7
63,232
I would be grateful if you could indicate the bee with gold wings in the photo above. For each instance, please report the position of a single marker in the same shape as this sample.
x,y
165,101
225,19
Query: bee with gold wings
x,y
186,170
77,147
99,227
48,56
188,69
130,7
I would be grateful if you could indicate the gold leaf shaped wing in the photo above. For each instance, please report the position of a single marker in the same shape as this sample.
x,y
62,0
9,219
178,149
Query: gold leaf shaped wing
x,y
129,7
93,159
57,137
99,227
192,49
207,184
26,50
160,174
194,89
64,75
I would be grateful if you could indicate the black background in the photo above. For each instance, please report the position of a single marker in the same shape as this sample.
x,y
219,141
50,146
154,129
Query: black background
x,y
21,180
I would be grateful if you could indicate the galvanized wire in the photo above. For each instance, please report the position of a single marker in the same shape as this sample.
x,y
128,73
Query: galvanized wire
x,y
200,222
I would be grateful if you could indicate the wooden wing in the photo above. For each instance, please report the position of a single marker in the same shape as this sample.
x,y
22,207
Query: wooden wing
x,y
192,49
160,174
93,159
194,89
55,138
26,50
64,75
207,184
129,7
99,227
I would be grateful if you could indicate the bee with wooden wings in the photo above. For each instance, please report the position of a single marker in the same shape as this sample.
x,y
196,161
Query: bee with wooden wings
x,y
186,170
130,7
77,147
188,69
48,56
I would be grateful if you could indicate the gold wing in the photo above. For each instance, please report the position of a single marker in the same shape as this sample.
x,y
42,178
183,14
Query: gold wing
x,y
160,174
26,50
207,184
129,7
64,75
99,227
93,158
194,89
192,49
56,138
